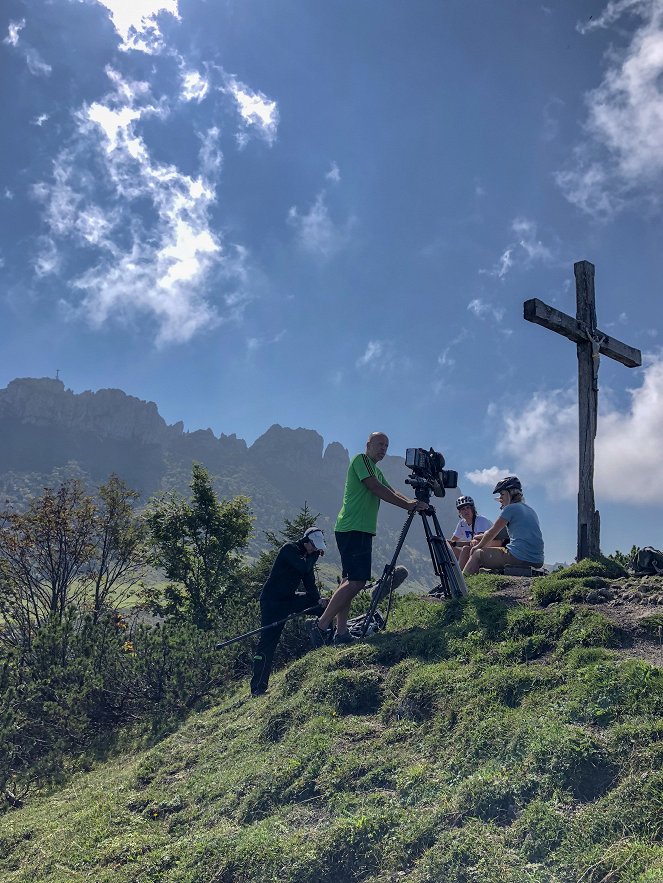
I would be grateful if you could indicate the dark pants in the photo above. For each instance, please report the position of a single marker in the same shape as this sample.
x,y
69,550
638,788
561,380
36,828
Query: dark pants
x,y
271,611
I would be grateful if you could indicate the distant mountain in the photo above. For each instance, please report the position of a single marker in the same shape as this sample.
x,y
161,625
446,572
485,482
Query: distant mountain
x,y
49,433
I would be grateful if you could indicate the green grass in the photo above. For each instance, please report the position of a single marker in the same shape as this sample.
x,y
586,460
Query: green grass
x,y
474,742
574,582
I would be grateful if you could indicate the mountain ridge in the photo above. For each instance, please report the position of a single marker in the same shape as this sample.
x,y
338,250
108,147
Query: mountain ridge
x,y
51,433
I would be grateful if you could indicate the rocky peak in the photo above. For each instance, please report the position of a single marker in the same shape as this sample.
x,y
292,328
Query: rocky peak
x,y
291,449
109,413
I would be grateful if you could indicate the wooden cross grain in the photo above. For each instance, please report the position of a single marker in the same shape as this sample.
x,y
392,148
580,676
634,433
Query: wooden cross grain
x,y
590,344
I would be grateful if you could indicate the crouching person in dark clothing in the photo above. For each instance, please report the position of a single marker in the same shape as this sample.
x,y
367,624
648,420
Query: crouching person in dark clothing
x,y
279,598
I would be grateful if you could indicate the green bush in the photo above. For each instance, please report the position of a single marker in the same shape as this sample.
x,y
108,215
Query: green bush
x,y
85,679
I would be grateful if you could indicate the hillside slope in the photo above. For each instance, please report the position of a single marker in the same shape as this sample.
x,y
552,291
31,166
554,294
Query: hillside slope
x,y
476,741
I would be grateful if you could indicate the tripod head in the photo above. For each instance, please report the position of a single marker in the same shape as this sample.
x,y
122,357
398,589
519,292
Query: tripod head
x,y
422,487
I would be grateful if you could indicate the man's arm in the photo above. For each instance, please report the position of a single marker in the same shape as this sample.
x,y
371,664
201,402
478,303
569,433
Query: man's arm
x,y
389,495
310,587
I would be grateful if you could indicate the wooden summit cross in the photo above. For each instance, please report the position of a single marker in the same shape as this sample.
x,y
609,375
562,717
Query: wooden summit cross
x,y
590,344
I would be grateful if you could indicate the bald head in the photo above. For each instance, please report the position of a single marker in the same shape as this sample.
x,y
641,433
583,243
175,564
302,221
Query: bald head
x,y
376,446
377,435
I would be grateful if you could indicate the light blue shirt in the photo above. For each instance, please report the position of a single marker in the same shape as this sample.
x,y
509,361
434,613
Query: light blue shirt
x,y
525,539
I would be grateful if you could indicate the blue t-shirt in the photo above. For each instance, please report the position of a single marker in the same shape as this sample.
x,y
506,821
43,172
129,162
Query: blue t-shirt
x,y
525,539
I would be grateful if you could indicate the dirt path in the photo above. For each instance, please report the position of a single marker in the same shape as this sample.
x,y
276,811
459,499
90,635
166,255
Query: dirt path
x,y
627,602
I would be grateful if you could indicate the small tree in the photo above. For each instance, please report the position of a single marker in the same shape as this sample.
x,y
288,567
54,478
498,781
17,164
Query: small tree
x,y
293,529
67,550
118,563
196,543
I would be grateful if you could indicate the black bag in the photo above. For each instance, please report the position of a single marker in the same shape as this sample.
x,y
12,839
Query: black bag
x,y
647,562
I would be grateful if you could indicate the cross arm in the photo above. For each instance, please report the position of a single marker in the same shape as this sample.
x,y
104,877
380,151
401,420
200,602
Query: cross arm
x,y
541,314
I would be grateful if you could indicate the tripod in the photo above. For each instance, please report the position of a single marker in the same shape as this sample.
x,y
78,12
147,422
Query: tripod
x,y
452,583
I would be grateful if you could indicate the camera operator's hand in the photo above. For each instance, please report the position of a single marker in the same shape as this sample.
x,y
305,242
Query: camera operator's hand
x,y
418,506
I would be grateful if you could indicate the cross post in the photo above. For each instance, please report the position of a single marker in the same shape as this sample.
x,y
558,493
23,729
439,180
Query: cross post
x,y
590,345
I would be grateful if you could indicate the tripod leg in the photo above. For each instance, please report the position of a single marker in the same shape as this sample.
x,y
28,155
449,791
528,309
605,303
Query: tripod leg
x,y
444,561
387,574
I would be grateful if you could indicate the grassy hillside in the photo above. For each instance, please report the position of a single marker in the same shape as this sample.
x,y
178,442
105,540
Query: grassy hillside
x,y
475,742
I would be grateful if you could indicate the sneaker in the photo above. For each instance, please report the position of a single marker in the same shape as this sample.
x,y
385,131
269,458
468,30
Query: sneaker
x,y
317,636
344,638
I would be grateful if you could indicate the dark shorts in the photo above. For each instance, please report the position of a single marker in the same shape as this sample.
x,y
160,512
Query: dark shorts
x,y
355,547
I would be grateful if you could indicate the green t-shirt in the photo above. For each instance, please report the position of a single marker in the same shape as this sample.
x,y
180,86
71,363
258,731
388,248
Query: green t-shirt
x,y
360,506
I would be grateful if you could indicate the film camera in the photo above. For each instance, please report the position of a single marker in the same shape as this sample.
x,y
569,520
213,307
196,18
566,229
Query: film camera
x,y
427,467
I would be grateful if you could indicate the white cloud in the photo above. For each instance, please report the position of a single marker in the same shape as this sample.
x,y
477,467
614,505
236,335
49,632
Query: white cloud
x,y
194,86
15,28
623,153
541,438
253,344
534,249
524,251
144,225
621,319
381,356
551,109
136,22
504,264
373,355
334,174
316,231
47,261
590,187
488,477
36,65
445,359
256,110
211,157
40,120
483,310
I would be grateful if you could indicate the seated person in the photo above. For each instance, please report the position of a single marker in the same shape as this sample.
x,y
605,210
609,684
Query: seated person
x,y
471,526
525,546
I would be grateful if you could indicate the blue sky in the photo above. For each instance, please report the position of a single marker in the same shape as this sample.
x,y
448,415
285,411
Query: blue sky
x,y
328,213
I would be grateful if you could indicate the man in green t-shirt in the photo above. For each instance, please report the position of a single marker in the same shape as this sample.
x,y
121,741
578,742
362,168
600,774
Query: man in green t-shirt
x,y
365,486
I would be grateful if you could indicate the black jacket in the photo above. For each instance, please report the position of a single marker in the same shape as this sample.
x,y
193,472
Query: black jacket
x,y
291,567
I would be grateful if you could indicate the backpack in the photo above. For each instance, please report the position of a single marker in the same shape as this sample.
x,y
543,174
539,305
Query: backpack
x,y
647,561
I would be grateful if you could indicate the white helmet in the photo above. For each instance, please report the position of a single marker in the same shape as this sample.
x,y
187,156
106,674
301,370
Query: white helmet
x,y
316,538
464,501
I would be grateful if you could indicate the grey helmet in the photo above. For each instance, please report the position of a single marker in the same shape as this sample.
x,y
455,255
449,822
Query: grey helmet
x,y
510,483
464,501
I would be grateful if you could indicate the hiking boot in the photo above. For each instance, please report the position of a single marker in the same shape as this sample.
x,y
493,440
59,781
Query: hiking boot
x,y
344,638
317,636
